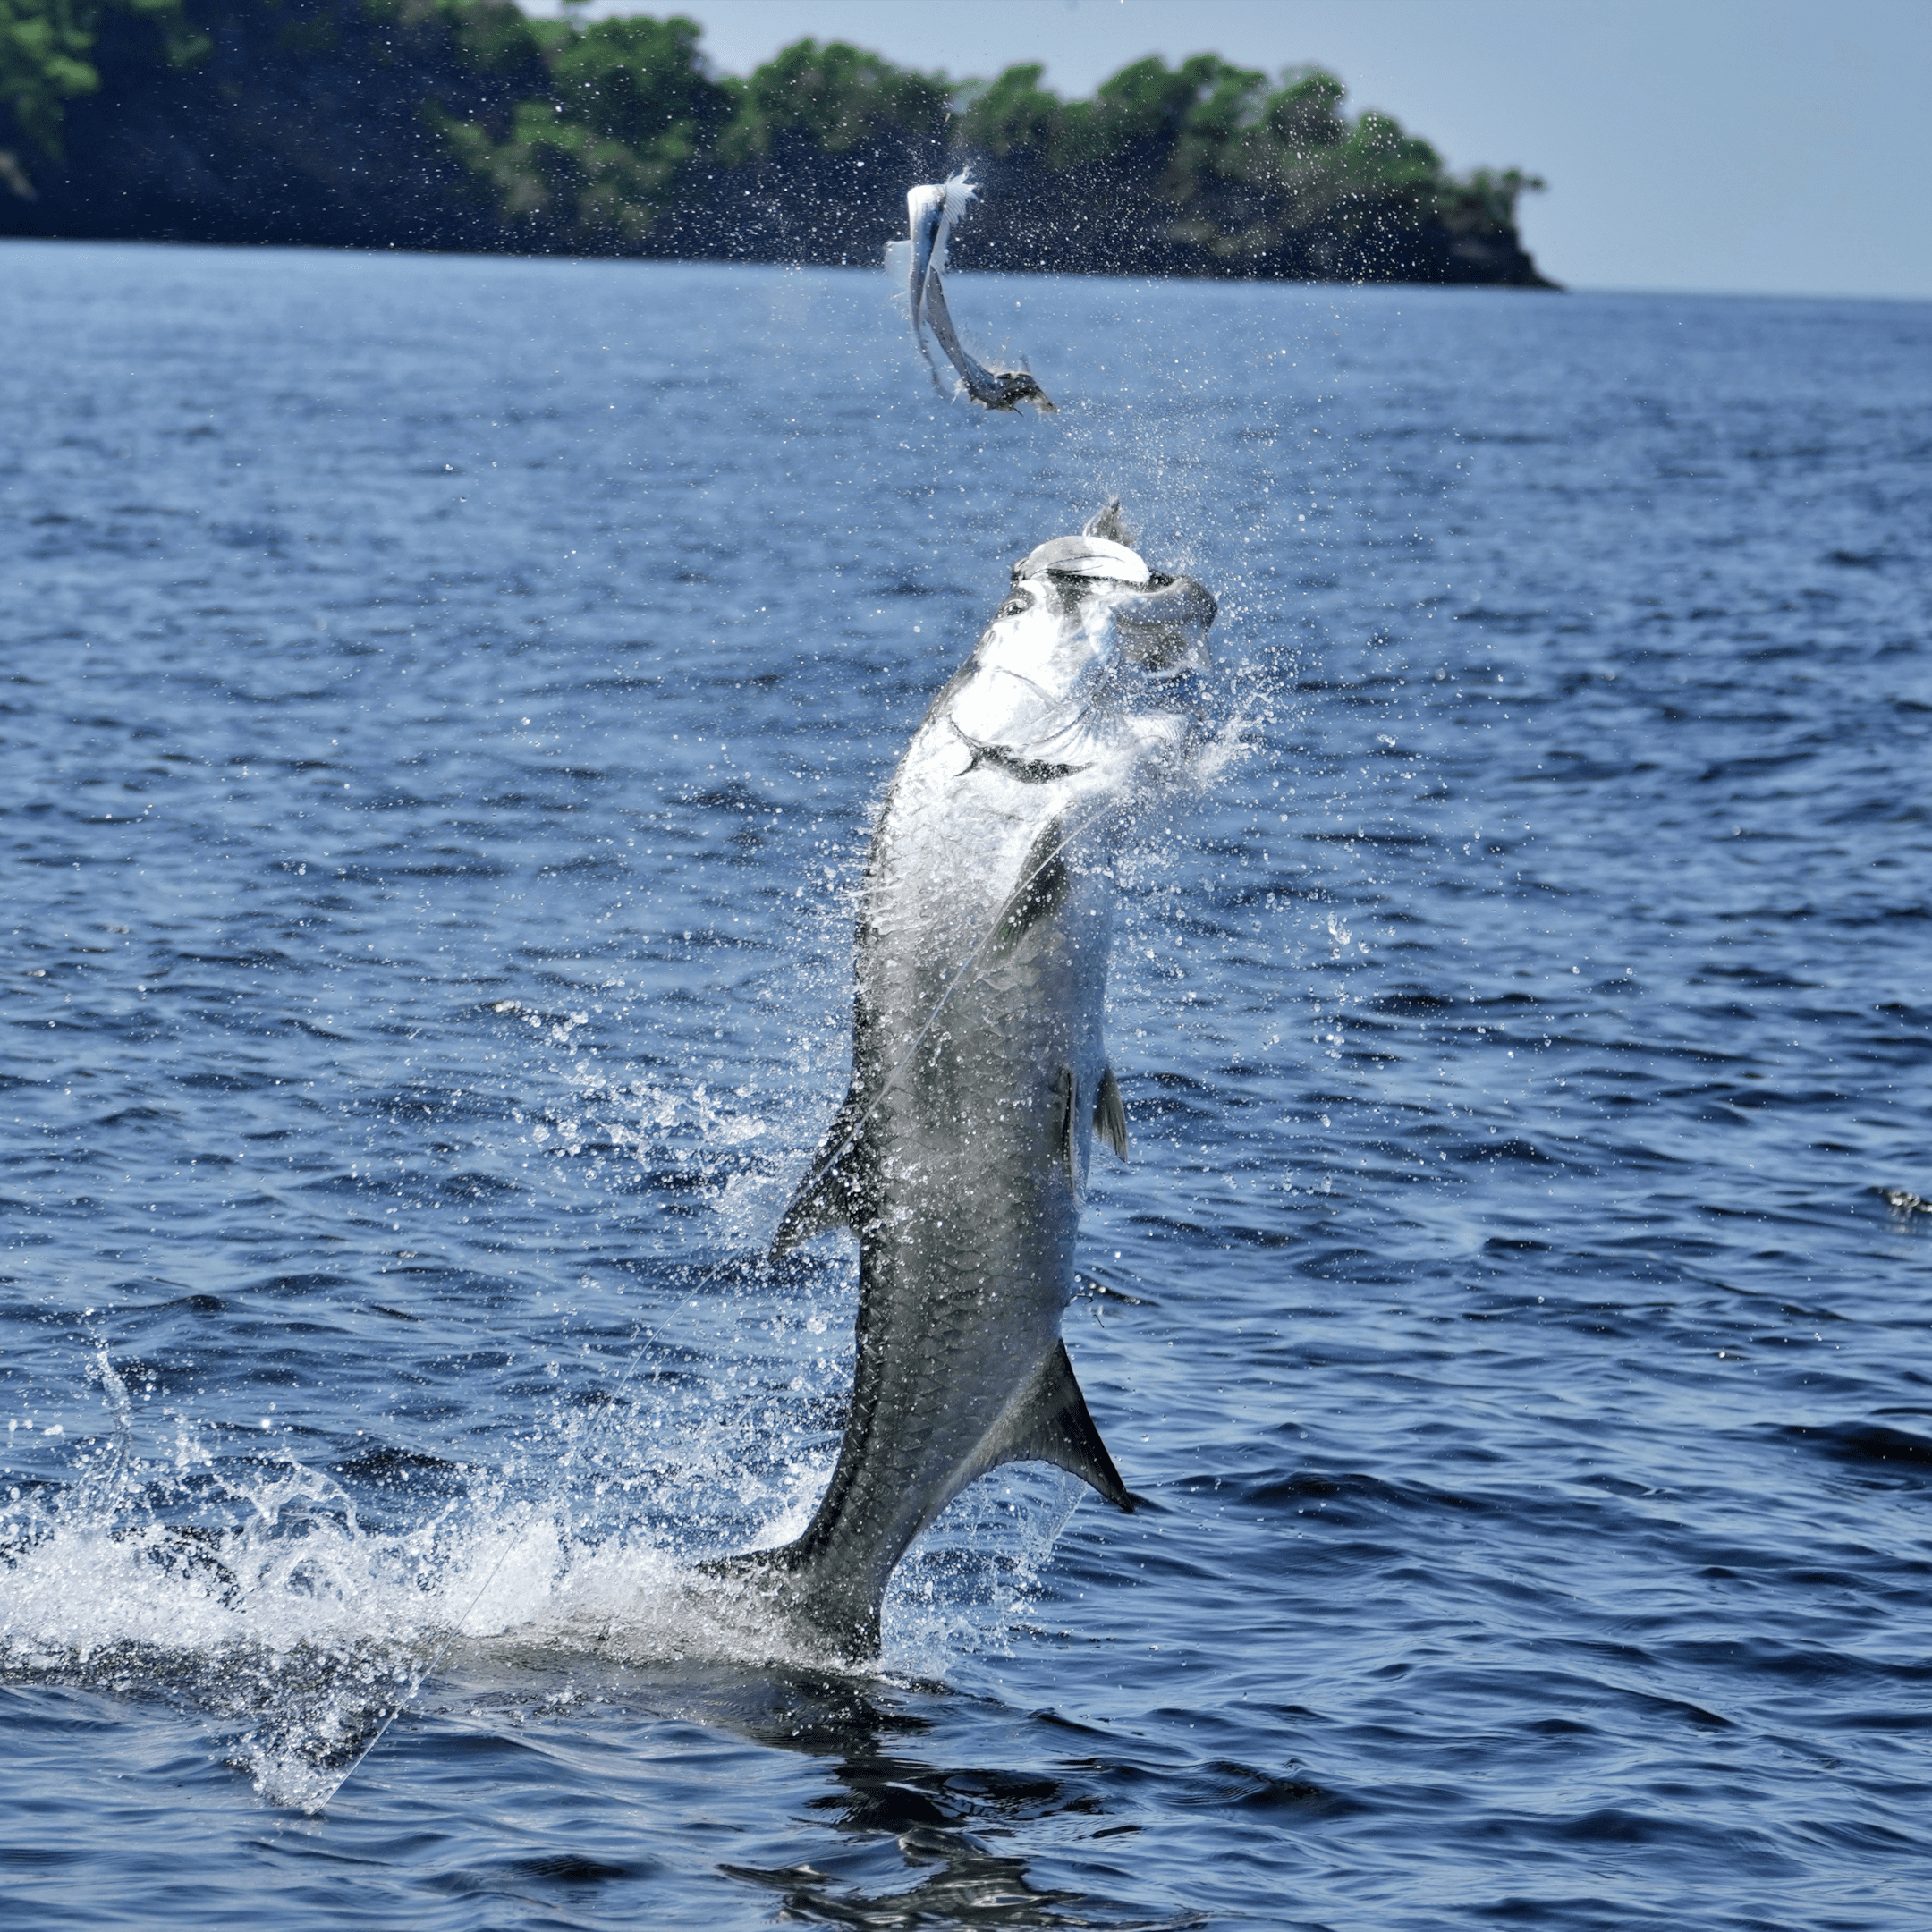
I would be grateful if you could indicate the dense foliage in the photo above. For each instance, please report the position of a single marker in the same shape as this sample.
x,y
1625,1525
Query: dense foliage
x,y
466,123
615,114
1284,157
44,61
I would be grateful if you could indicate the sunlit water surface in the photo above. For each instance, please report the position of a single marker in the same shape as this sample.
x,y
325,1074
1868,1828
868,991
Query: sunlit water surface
x,y
443,701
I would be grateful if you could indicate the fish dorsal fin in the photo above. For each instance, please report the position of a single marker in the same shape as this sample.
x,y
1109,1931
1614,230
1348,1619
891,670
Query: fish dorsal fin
x,y
1047,1422
828,1196
1109,1115
1109,523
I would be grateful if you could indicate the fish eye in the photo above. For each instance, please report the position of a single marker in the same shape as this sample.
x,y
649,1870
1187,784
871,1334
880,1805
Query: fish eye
x,y
1013,605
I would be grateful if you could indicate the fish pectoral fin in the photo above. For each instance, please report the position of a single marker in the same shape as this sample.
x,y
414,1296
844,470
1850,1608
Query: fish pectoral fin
x,y
1049,1423
1110,1116
1046,883
1066,1104
827,1197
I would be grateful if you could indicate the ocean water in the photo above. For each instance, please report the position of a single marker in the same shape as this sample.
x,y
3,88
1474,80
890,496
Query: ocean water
x,y
441,706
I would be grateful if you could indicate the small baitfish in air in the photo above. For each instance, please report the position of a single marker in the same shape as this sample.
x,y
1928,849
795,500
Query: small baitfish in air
x,y
980,1078
932,209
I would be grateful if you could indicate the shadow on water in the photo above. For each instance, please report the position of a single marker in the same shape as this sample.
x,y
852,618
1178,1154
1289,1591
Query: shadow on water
x,y
298,1721
899,1840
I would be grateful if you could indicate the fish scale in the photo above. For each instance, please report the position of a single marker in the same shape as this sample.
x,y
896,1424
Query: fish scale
x,y
979,1072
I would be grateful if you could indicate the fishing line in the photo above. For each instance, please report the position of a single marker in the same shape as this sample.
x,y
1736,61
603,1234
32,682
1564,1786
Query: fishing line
x,y
1009,904
456,1630
817,1175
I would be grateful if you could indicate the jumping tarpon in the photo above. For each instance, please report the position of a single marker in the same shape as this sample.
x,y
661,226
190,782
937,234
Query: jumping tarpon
x,y
979,1078
931,210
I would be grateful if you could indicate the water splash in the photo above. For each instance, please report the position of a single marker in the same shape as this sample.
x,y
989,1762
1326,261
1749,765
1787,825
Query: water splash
x,y
257,1596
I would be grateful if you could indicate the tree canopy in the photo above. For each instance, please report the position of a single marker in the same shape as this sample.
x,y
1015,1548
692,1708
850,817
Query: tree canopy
x,y
616,134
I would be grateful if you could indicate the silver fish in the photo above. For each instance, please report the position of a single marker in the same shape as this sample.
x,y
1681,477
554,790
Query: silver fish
x,y
931,210
980,1078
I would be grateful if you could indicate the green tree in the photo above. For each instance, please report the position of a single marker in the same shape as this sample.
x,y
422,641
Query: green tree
x,y
1013,115
1223,108
1143,103
494,37
616,135
44,64
1486,199
625,104
834,98
1305,116
45,46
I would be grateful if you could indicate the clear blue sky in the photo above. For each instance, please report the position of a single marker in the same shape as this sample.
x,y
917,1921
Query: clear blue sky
x,y
1759,146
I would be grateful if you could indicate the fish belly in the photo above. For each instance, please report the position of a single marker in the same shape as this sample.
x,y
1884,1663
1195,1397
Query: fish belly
x,y
974,1153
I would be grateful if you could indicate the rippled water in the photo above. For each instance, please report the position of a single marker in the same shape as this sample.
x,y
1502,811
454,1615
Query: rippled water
x,y
443,704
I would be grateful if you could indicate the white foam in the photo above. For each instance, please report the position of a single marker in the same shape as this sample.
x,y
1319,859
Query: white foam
x,y
299,1633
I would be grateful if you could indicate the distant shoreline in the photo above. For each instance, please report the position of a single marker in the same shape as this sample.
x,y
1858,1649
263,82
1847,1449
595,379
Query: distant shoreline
x,y
421,252
464,126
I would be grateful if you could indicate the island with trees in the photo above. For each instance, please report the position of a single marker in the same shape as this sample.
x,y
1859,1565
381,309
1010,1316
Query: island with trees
x,y
467,124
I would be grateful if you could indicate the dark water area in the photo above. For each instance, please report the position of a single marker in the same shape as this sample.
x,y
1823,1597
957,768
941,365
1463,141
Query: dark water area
x,y
441,706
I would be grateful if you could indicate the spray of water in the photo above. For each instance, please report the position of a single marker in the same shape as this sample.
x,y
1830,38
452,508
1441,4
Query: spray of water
x,y
297,1614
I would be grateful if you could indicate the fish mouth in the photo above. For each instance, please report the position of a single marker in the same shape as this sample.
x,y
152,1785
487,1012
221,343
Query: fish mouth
x,y
1163,629
1160,620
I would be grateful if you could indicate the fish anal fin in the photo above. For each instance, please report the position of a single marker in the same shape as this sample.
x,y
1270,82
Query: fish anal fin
x,y
1048,1422
828,1197
1110,1115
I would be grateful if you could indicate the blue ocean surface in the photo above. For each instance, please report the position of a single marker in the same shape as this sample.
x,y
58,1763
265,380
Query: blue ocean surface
x,y
442,706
